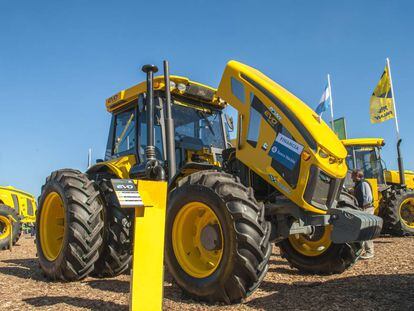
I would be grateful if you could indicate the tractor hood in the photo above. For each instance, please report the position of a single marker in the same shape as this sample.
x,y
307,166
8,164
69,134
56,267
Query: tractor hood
x,y
314,130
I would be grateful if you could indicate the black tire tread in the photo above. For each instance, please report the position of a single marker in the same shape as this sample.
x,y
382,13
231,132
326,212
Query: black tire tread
x,y
389,211
85,225
335,260
116,253
245,211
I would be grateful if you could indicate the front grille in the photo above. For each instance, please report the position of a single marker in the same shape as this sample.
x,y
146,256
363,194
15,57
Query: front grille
x,y
322,190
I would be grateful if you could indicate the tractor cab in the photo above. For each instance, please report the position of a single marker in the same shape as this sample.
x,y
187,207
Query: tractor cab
x,y
365,154
200,132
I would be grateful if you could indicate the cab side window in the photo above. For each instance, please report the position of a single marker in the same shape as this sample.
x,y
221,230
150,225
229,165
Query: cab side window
x,y
124,132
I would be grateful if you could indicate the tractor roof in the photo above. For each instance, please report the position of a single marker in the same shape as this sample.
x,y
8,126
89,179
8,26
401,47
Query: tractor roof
x,y
12,189
377,142
181,86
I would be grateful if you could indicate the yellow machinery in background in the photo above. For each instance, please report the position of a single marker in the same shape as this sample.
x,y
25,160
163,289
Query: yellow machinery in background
x,y
393,201
280,182
17,212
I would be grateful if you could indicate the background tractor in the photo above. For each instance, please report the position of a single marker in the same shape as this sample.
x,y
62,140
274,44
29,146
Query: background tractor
x,y
393,199
17,212
279,183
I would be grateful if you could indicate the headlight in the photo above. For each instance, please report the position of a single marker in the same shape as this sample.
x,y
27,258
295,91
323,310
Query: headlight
x,y
323,154
181,87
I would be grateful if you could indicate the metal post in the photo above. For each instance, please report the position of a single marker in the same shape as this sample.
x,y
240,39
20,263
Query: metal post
x,y
169,124
150,149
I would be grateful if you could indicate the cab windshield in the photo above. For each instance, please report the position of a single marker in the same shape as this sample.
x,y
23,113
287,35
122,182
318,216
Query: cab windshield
x,y
202,129
366,159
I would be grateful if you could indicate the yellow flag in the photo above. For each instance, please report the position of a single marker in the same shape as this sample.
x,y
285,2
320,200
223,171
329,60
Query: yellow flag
x,y
381,103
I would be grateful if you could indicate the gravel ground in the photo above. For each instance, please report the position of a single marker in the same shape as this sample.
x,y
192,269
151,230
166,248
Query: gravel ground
x,y
383,283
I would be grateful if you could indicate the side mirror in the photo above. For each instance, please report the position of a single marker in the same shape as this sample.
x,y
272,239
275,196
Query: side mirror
x,y
230,122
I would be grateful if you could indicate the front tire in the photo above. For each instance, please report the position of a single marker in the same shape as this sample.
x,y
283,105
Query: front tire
x,y
309,255
217,241
316,254
69,226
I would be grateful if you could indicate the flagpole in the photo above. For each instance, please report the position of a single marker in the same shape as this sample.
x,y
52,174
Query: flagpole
x,y
393,99
331,101
399,155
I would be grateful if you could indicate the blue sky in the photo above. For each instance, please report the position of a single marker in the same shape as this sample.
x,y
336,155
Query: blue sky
x,y
60,60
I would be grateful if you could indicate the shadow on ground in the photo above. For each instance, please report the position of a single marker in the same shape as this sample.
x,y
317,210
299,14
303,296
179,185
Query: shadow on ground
x,y
370,292
23,268
93,304
112,285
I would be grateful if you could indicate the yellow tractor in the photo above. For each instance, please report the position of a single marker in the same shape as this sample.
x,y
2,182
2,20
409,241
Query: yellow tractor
x,y
393,198
17,212
280,182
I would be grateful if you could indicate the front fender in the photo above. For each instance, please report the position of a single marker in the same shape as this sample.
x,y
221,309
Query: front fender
x,y
119,167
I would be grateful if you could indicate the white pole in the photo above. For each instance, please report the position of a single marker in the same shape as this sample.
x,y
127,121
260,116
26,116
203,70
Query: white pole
x,y
331,101
393,100
89,157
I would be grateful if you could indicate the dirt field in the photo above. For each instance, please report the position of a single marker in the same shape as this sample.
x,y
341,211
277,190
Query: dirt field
x,y
384,283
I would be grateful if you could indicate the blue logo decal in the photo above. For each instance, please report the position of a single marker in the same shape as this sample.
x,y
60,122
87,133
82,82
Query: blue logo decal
x,y
286,151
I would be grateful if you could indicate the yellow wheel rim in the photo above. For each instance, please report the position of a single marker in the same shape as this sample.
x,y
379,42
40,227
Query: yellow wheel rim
x,y
5,227
312,245
407,212
195,228
52,226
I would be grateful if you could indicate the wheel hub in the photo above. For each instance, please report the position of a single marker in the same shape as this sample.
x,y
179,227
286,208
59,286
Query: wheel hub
x,y
313,244
197,239
210,237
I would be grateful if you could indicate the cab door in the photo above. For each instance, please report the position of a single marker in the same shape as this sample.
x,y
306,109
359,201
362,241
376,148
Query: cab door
x,y
267,141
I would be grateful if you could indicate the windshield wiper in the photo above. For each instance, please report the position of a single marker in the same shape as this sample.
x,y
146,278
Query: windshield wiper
x,y
209,123
121,137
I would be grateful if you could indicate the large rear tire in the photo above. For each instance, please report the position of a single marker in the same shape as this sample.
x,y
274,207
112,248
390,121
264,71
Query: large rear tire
x,y
116,249
397,211
69,225
9,226
217,241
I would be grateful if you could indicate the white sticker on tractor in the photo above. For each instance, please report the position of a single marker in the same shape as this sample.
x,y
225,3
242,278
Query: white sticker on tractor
x,y
126,193
286,151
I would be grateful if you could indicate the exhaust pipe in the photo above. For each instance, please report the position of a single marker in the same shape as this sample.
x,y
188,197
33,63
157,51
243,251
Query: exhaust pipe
x,y
400,164
169,124
153,169
150,149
